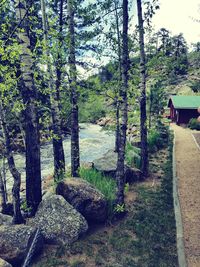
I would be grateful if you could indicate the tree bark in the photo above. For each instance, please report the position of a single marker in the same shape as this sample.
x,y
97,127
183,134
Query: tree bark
x,y
75,156
17,218
123,108
3,201
143,115
117,134
28,90
58,151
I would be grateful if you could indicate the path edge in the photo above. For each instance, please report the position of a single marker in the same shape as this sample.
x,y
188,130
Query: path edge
x,y
177,210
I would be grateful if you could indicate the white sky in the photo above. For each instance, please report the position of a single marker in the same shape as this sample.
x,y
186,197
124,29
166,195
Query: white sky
x,y
177,16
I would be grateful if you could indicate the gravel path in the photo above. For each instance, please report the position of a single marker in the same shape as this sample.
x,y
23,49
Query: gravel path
x,y
188,172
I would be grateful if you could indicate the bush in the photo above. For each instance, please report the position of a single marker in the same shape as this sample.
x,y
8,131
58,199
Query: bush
x,y
158,137
106,185
194,124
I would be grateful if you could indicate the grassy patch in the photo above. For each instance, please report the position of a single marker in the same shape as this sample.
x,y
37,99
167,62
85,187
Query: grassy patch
x,y
154,223
106,185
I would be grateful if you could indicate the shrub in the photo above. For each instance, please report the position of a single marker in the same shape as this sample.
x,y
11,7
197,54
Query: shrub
x,y
158,137
106,185
194,124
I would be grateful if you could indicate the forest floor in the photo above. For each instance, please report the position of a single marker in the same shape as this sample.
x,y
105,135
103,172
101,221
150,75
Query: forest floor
x,y
145,237
187,155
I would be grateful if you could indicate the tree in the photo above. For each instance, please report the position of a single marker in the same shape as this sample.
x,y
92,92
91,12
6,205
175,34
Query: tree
x,y
59,157
143,116
75,156
17,217
28,91
123,108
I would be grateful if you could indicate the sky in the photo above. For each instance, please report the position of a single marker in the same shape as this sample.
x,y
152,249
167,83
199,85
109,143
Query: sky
x,y
178,16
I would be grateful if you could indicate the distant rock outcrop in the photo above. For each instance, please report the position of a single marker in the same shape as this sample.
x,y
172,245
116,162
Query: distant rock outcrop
x,y
85,198
105,121
59,222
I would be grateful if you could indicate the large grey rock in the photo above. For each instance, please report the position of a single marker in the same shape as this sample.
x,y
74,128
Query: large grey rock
x,y
59,222
13,242
85,198
107,165
4,263
5,219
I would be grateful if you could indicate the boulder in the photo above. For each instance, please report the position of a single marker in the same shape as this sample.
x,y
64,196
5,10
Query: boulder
x,y
85,198
107,165
4,263
5,219
13,242
59,222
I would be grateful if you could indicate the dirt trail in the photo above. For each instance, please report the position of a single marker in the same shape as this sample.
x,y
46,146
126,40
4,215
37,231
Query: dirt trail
x,y
188,172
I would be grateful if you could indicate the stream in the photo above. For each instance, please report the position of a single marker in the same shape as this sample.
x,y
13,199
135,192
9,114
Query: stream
x,y
94,142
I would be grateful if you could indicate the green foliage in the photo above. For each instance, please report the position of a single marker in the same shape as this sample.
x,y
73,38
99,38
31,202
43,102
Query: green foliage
x,y
195,86
132,155
92,109
119,208
25,207
157,137
106,185
194,124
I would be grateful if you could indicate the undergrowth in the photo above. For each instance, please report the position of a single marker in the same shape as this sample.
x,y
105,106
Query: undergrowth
x,y
106,185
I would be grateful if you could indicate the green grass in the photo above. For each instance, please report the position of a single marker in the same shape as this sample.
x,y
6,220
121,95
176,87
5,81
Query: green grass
x,y
154,223
106,185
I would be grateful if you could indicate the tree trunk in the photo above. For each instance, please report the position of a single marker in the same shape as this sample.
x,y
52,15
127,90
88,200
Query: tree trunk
x,y
3,201
17,218
143,115
28,90
75,157
59,62
59,158
120,78
123,107
117,131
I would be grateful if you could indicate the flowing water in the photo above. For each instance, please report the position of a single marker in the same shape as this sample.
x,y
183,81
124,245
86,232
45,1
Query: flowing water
x,y
94,142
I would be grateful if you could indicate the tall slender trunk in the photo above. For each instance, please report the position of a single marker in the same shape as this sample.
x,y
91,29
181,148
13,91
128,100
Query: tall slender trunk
x,y
123,107
117,130
75,156
59,62
117,134
17,218
58,151
143,115
28,90
3,200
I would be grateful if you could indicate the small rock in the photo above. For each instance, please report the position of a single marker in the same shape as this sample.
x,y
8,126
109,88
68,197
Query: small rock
x,y
59,222
5,219
85,198
4,263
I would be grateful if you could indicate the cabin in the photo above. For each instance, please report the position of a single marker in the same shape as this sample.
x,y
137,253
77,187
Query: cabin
x,y
183,108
